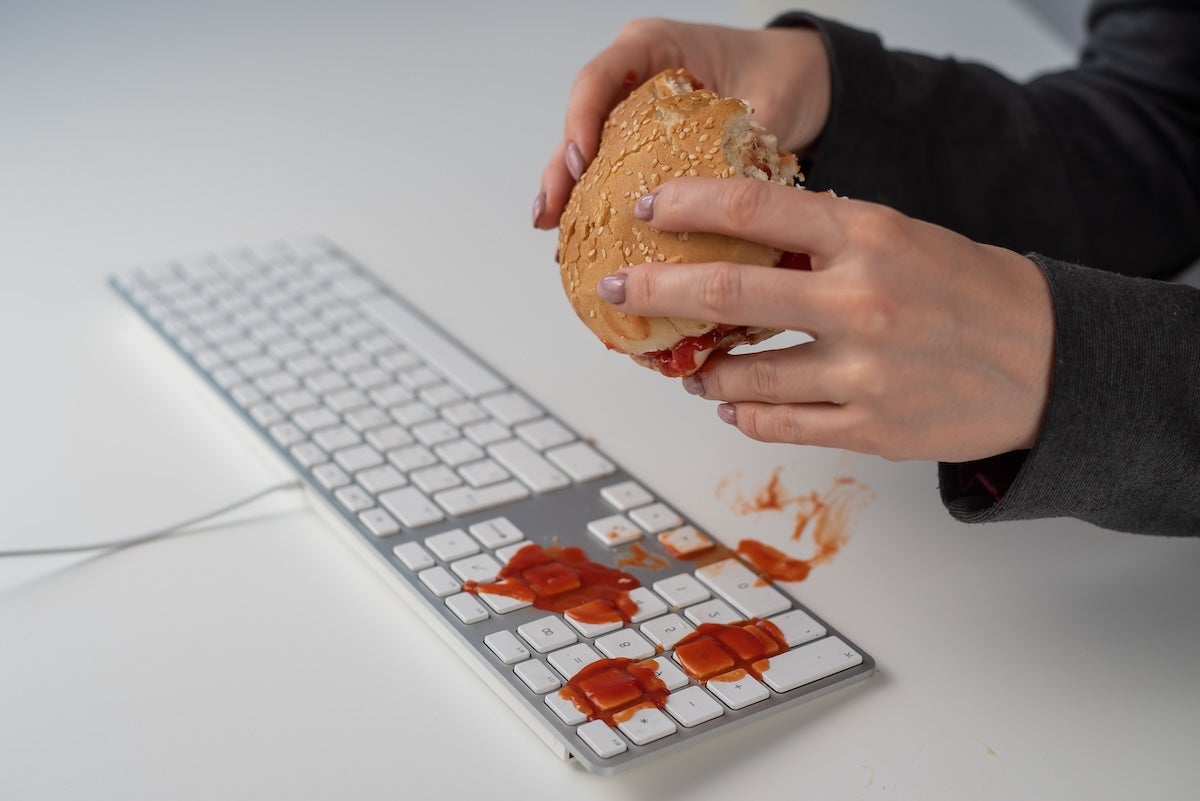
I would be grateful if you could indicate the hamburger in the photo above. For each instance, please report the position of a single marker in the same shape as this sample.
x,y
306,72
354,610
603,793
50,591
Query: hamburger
x,y
667,128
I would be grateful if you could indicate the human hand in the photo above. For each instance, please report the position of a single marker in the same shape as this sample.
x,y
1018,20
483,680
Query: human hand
x,y
927,345
783,73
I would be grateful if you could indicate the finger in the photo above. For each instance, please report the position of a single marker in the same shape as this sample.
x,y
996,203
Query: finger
x,y
803,373
642,49
557,183
823,424
784,217
721,292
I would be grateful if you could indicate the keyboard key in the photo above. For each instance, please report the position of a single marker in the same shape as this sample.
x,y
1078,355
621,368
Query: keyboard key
x,y
308,454
625,643
591,629
502,604
390,395
667,672
411,457
435,478
411,507
265,414
354,498
565,709
413,555
346,400
601,738
626,495
463,412
486,432
379,522
439,395
682,590
735,582
649,605
507,648
439,581
481,567
738,689
467,607
483,472
381,479
317,417
684,541
330,476
547,634
389,437
581,461
325,383
714,611
468,500
656,517
458,451
537,676
358,457
797,627
286,434
809,663
667,630
336,438
434,432
572,659
294,400
544,433
367,418
451,545
411,413
528,465
497,532
646,724
614,530
418,377
692,706
510,407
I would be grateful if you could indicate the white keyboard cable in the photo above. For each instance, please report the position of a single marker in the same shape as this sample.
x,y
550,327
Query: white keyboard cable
x,y
174,529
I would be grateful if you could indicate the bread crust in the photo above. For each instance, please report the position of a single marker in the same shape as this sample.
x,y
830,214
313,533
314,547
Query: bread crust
x,y
665,129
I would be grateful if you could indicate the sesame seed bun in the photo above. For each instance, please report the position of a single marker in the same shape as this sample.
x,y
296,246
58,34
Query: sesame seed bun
x,y
667,128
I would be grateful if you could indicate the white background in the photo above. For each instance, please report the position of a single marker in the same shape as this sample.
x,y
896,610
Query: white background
x,y
263,660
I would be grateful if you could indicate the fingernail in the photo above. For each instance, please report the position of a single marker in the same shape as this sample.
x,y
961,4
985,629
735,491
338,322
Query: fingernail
x,y
575,163
694,384
728,413
644,208
612,288
539,205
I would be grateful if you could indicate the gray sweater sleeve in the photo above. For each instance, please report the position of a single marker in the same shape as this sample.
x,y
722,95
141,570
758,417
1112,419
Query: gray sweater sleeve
x,y
1099,165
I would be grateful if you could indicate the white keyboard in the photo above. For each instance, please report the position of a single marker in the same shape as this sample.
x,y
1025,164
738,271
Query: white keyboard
x,y
609,623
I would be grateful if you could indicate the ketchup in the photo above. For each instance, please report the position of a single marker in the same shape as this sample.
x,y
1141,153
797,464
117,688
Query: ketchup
x,y
564,580
612,690
715,649
680,359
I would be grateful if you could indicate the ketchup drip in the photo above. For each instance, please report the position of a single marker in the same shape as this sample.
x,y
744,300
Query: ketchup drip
x,y
613,690
680,359
564,580
715,649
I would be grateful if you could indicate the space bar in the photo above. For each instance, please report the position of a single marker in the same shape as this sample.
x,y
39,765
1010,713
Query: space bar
x,y
441,354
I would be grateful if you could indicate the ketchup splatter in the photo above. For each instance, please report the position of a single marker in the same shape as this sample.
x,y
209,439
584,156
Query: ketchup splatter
x,y
613,690
640,557
564,580
828,517
716,649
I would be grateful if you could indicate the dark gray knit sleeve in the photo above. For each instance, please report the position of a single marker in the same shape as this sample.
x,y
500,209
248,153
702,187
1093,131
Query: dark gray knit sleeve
x,y
1120,440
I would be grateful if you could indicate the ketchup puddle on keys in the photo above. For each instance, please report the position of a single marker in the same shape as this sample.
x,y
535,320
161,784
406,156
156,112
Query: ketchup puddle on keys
x,y
564,580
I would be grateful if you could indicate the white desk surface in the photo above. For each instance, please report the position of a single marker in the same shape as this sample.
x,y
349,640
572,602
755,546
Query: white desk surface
x,y
264,660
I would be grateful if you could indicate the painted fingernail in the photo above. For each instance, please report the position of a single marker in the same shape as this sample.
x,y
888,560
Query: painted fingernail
x,y
612,288
539,205
644,208
694,384
728,413
575,163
